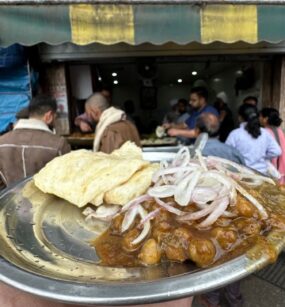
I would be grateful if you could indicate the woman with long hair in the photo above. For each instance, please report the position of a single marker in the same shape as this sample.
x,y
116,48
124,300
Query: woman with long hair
x,y
270,119
255,143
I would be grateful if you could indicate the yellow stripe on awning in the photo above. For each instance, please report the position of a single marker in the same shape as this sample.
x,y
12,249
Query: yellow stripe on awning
x,y
229,23
106,24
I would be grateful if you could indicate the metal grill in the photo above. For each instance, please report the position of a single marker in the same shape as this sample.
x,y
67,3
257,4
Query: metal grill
x,y
275,273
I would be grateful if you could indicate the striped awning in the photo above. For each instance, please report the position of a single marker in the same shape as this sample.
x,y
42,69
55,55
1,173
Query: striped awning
x,y
83,24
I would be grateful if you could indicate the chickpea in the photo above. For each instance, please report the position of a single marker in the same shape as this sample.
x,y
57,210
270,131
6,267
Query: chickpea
x,y
225,236
163,216
248,226
202,251
175,253
245,208
150,252
183,235
161,230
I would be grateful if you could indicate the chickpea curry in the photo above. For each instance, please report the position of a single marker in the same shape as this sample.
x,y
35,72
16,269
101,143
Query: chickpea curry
x,y
171,239
200,209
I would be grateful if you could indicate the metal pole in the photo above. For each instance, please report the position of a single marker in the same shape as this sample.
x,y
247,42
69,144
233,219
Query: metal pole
x,y
154,2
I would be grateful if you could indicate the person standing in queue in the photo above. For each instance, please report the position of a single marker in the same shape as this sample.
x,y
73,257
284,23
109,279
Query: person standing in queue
x,y
251,100
270,119
255,143
31,144
209,123
199,104
112,127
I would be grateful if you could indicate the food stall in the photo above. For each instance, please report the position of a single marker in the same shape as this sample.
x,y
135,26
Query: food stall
x,y
83,42
48,244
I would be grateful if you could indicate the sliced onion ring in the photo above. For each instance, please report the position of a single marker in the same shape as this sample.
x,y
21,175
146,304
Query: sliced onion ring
x,y
146,227
169,207
198,214
135,202
129,218
221,207
161,191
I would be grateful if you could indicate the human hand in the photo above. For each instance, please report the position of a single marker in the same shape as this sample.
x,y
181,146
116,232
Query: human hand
x,y
173,132
85,127
167,126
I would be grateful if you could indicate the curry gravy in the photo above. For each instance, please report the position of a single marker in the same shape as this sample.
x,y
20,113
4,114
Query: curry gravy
x,y
179,241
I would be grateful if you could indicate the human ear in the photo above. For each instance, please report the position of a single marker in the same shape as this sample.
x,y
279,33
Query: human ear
x,y
48,117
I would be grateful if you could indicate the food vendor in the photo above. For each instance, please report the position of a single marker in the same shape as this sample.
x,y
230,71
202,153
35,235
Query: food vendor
x,y
198,101
112,127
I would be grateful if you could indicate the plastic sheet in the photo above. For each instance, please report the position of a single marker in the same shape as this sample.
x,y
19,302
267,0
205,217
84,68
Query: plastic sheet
x,y
15,92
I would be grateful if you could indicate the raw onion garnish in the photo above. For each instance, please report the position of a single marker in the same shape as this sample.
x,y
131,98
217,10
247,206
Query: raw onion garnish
x,y
210,183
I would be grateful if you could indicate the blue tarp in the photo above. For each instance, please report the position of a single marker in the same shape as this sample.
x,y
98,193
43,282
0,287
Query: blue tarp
x,y
15,87
12,56
15,93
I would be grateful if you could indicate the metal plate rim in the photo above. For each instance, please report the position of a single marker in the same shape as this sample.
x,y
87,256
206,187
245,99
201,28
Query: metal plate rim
x,y
146,292
116,293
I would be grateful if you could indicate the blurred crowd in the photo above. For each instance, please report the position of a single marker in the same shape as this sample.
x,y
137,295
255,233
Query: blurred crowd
x,y
257,141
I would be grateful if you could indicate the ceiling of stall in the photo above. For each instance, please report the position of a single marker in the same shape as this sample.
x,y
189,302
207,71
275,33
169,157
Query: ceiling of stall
x,y
165,72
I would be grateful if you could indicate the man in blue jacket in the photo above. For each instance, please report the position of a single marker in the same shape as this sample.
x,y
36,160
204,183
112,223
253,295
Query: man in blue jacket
x,y
199,104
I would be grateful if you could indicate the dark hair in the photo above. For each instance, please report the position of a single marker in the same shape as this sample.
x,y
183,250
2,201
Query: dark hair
x,y
249,114
200,91
250,98
41,104
272,115
182,100
208,123
23,113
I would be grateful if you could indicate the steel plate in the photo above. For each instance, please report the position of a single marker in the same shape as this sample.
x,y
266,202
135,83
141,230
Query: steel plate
x,y
44,242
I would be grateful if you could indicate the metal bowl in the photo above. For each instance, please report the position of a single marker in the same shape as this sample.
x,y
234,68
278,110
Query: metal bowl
x,y
45,245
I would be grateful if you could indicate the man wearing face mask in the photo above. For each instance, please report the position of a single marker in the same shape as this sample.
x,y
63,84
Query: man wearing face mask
x,y
31,144
199,104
